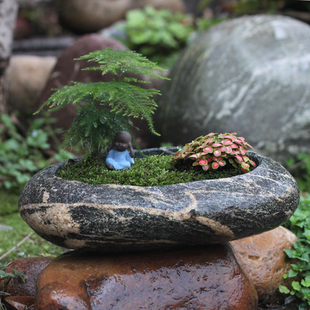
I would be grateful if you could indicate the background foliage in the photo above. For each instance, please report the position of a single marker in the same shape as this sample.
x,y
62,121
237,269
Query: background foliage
x,y
22,156
161,34
299,224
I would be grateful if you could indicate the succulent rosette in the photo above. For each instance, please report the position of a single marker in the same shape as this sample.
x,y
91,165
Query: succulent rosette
x,y
216,150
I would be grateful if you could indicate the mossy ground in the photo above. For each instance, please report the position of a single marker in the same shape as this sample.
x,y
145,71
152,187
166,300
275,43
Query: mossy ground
x,y
154,170
33,246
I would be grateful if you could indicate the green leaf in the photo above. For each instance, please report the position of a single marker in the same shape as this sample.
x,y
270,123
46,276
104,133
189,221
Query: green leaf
x,y
283,289
290,253
11,145
142,36
27,164
292,273
136,18
307,234
179,31
296,285
305,282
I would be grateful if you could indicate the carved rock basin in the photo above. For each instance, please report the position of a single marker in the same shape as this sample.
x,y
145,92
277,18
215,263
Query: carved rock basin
x,y
77,215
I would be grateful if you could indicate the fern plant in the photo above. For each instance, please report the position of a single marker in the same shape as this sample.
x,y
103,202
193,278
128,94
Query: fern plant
x,y
104,108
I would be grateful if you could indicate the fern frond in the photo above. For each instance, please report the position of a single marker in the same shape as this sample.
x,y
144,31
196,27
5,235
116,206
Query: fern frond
x,y
121,61
104,108
130,100
126,99
133,80
79,94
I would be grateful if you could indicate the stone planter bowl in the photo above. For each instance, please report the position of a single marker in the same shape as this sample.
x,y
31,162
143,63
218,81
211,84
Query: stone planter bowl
x,y
77,215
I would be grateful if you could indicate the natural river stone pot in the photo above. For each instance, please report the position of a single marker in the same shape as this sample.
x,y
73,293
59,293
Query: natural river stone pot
x,y
109,217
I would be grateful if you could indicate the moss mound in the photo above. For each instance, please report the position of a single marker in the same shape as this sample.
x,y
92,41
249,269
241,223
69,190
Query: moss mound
x,y
153,170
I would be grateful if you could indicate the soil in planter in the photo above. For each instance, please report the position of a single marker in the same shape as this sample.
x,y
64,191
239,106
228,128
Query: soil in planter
x,y
153,170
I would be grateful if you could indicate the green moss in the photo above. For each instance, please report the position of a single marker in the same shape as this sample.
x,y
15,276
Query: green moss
x,y
33,246
154,170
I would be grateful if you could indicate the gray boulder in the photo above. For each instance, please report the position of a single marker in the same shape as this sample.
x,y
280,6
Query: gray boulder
x,y
108,217
249,75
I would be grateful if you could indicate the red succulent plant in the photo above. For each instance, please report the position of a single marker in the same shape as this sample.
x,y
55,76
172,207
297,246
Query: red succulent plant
x,y
215,150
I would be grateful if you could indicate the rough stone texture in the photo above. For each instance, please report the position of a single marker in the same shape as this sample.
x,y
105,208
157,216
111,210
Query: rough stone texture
x,y
108,217
31,267
199,278
248,75
27,76
93,15
263,259
67,70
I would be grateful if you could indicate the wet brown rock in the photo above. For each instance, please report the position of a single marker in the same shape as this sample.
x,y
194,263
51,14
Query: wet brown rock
x,y
188,278
263,260
31,267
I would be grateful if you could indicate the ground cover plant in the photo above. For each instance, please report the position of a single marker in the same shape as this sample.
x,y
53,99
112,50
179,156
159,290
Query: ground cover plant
x,y
22,155
160,34
299,224
29,243
215,151
5,278
299,167
157,34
